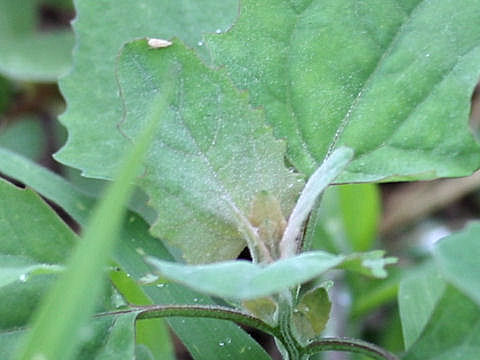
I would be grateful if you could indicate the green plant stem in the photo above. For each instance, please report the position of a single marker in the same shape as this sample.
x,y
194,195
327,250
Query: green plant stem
x,y
349,345
202,311
282,332
291,345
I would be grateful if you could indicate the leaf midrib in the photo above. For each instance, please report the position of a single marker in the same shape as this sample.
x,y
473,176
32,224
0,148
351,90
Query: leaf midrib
x,y
346,119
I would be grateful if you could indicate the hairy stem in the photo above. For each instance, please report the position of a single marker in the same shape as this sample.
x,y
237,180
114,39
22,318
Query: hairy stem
x,y
283,332
286,337
349,345
201,311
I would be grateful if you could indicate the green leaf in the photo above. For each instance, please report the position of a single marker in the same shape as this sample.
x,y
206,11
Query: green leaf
x,y
75,294
263,308
17,268
368,75
311,314
101,28
208,162
439,305
418,296
135,241
457,257
453,331
39,242
40,247
107,337
244,280
152,334
27,53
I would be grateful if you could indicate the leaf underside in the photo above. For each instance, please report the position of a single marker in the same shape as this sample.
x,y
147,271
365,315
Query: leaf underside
x,y
244,280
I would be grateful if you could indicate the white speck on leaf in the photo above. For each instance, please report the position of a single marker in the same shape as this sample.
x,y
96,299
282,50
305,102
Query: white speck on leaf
x,y
158,43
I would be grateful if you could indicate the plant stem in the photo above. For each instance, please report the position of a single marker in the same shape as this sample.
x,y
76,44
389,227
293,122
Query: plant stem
x,y
293,348
201,311
349,345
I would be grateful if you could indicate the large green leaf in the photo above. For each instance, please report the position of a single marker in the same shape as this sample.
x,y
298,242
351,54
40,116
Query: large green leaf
x,y
27,53
101,28
201,336
244,280
44,243
390,79
211,156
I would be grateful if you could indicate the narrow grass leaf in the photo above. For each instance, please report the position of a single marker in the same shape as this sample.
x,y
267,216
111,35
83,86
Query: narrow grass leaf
x,y
135,242
57,325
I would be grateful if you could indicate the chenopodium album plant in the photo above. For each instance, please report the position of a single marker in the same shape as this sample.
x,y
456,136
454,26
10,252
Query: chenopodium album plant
x,y
238,134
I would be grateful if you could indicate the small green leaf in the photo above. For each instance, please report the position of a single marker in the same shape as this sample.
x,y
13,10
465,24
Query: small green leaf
x,y
266,216
311,314
264,308
244,280
417,298
364,74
